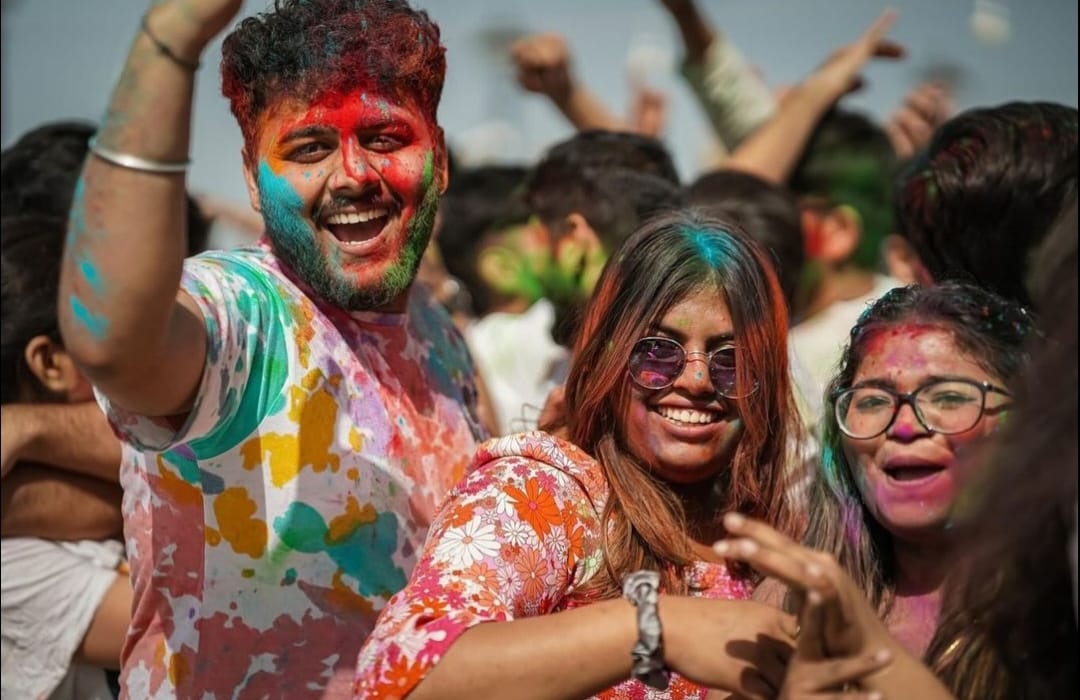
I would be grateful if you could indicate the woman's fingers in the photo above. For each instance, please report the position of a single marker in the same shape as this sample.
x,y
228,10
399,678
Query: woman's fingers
x,y
821,676
810,644
780,564
742,526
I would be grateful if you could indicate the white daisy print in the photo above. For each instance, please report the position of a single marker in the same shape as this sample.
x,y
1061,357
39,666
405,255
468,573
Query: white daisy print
x,y
473,541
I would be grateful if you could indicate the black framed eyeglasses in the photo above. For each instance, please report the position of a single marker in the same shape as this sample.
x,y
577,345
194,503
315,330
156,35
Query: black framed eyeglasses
x,y
656,362
946,406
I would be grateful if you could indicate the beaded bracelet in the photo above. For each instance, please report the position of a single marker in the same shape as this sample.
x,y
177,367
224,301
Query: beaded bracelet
x,y
642,589
133,162
165,51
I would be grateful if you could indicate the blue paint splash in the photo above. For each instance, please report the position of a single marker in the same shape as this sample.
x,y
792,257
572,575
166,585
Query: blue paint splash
x,y
92,276
366,554
96,325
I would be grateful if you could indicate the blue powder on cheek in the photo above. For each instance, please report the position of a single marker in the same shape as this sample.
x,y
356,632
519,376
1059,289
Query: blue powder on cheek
x,y
282,207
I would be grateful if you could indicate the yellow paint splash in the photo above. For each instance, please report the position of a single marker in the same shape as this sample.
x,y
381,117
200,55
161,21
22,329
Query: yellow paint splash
x,y
246,534
345,524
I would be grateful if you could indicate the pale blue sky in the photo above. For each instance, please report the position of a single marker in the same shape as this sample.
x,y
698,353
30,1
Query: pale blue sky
x,y
60,58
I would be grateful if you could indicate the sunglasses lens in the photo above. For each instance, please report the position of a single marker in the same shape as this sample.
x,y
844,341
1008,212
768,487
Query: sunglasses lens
x,y
722,371
656,362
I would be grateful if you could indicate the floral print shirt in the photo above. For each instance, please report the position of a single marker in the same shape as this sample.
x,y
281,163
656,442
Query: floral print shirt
x,y
266,533
517,538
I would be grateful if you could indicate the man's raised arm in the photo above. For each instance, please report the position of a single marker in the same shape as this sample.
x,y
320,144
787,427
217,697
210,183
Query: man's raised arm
x,y
123,319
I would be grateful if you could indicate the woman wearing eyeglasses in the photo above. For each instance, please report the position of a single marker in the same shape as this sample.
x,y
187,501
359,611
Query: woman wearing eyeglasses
x,y
920,387
677,409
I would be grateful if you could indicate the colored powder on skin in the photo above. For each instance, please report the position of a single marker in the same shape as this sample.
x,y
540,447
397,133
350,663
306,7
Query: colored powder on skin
x,y
293,237
77,220
96,325
400,275
92,276
294,241
282,207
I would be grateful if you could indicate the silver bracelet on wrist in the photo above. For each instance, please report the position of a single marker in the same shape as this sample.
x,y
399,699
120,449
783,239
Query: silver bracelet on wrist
x,y
642,589
133,162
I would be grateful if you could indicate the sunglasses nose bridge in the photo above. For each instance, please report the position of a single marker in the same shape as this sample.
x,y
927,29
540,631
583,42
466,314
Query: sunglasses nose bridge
x,y
703,356
696,379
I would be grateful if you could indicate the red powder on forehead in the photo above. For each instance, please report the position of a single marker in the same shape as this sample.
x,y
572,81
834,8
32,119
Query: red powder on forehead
x,y
876,337
347,113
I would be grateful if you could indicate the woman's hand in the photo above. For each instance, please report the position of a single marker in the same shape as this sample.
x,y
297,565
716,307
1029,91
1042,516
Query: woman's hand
x,y
811,676
741,646
836,617
851,627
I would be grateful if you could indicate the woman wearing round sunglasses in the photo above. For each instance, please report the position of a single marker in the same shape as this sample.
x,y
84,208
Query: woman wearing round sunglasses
x,y
920,386
677,409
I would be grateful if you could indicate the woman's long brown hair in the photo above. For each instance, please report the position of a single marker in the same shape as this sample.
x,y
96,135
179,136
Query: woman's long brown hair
x,y
667,259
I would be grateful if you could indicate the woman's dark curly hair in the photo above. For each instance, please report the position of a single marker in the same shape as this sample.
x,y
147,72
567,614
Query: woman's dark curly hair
x,y
308,49
988,329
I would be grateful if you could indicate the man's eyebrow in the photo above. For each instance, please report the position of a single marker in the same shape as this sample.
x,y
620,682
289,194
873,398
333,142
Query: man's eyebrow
x,y
305,132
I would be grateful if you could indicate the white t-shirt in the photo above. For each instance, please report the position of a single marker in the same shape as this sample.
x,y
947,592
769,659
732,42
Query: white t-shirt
x,y
50,593
819,341
519,362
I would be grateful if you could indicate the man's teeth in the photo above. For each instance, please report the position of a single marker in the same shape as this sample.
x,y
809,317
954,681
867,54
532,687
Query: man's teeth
x,y
359,217
687,415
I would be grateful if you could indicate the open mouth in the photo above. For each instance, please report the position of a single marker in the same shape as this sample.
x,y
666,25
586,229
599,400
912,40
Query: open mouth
x,y
355,229
913,472
688,416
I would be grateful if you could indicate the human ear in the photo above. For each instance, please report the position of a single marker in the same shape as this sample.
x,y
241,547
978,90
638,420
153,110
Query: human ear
x,y
54,369
251,179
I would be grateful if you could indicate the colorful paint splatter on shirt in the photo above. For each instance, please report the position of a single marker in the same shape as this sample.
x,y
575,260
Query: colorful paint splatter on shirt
x,y
268,531
518,538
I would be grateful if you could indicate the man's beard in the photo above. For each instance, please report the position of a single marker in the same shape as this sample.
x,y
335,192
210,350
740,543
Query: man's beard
x,y
299,251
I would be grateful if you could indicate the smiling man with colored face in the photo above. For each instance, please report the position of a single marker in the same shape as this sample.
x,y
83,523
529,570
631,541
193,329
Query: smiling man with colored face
x,y
293,412
361,170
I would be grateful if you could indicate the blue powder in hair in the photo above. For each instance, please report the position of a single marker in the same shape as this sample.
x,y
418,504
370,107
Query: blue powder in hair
x,y
707,244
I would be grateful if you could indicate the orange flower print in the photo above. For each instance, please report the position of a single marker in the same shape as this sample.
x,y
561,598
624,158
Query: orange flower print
x,y
535,506
533,570
461,515
481,575
576,545
429,608
400,677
